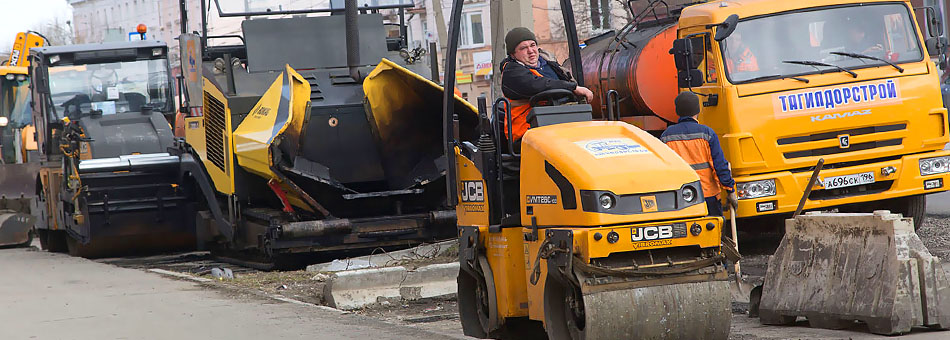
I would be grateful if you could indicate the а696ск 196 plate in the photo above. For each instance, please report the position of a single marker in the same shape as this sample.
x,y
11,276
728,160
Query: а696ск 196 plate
x,y
848,180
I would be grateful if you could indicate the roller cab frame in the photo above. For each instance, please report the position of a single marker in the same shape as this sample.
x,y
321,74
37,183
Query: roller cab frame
x,y
593,222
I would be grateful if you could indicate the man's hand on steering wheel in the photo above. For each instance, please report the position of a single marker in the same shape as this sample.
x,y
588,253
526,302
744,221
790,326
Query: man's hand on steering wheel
x,y
585,92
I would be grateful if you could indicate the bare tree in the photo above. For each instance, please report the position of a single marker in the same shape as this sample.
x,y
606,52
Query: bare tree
x,y
56,32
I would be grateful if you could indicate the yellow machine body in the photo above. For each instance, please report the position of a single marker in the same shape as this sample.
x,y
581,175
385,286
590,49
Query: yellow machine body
x,y
560,166
210,137
21,48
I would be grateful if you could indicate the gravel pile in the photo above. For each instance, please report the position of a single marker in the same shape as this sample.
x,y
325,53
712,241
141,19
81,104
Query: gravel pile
x,y
935,232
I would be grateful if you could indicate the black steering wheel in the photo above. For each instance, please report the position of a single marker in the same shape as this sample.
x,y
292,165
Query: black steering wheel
x,y
553,97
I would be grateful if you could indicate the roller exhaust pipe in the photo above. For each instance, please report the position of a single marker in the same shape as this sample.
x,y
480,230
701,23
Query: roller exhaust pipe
x,y
352,39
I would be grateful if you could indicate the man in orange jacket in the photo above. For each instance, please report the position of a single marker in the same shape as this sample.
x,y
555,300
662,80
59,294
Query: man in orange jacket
x,y
699,146
525,73
739,58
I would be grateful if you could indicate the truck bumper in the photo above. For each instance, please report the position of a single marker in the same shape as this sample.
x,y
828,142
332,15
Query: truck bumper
x,y
790,186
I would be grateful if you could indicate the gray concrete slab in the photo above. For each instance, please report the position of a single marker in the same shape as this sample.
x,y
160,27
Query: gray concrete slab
x,y
54,296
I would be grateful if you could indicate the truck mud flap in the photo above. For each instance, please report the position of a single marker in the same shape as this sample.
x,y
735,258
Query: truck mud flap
x,y
835,268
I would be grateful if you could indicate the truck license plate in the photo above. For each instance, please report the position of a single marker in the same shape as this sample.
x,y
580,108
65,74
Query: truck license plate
x,y
848,180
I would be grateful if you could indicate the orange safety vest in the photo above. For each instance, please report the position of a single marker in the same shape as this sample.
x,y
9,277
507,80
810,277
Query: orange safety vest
x,y
519,116
694,149
745,63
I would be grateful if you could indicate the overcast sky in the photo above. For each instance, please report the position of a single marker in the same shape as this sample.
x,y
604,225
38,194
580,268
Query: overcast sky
x,y
21,15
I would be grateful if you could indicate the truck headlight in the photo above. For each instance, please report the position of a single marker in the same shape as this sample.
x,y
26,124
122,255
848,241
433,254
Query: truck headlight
x,y
4,121
935,165
755,189
689,194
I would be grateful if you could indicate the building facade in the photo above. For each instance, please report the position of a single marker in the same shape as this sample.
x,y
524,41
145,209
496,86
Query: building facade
x,y
97,21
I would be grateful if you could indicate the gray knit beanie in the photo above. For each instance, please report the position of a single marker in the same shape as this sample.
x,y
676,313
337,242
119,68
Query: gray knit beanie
x,y
515,36
687,104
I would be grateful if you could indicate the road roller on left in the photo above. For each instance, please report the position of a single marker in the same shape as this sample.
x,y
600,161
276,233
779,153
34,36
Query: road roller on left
x,y
594,230
107,184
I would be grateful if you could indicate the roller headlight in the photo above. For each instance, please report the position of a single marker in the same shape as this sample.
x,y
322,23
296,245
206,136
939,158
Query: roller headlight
x,y
10,76
689,194
936,165
607,201
4,121
755,189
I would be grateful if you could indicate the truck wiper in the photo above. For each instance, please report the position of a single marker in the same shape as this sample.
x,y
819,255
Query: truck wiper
x,y
816,63
774,76
864,56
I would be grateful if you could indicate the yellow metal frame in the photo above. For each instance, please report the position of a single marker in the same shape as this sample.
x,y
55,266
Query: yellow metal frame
x,y
195,136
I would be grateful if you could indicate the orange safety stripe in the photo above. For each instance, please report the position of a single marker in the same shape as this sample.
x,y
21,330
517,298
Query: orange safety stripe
x,y
696,153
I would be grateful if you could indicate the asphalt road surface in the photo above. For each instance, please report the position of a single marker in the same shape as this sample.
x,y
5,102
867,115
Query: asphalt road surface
x,y
54,296
939,203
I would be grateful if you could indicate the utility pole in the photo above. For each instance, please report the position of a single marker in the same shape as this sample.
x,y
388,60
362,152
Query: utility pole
x,y
440,30
505,15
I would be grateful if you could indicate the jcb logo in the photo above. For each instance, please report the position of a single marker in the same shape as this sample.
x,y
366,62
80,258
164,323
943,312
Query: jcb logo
x,y
651,233
472,191
648,203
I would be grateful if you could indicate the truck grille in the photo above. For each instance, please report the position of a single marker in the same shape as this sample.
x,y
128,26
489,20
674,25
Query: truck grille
x,y
834,135
215,131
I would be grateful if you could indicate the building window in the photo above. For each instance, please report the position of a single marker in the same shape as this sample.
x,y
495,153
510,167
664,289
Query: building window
x,y
600,14
472,33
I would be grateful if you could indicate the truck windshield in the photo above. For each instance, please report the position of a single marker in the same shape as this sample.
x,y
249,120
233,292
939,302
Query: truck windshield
x,y
850,37
15,100
109,87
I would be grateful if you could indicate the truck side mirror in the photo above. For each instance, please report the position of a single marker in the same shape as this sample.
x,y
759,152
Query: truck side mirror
x,y
689,78
681,51
934,25
726,27
936,46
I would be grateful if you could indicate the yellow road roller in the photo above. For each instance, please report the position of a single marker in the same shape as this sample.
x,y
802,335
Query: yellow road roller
x,y
594,230
607,238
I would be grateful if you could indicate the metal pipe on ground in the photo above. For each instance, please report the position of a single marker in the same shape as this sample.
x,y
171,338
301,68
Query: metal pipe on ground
x,y
316,228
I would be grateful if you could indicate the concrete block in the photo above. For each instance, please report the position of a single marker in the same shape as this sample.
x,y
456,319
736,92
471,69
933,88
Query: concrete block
x,y
433,280
355,289
835,268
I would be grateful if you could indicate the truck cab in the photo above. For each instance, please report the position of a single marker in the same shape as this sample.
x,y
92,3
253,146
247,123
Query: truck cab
x,y
790,83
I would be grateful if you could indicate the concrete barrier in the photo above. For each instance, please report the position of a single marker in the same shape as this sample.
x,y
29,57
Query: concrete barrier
x,y
834,269
355,289
384,259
